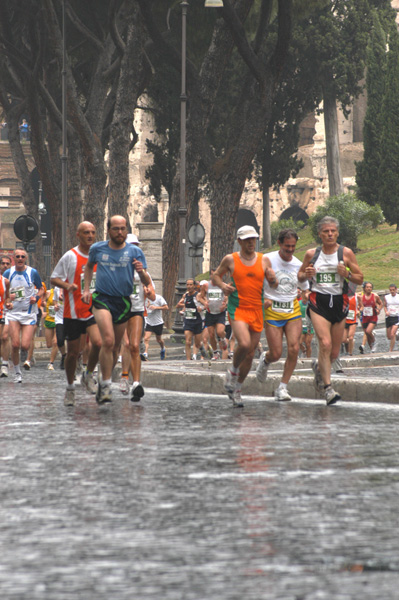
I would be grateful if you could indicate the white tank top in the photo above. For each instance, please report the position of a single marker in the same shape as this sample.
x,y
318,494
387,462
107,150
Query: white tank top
x,y
215,298
327,280
392,303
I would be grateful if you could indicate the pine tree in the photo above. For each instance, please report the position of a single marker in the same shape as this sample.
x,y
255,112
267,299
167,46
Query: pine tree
x,y
367,171
389,170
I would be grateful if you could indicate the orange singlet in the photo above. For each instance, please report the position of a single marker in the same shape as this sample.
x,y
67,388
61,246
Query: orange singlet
x,y
246,302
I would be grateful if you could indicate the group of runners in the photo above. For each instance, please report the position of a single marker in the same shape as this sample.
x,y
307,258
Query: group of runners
x,y
101,290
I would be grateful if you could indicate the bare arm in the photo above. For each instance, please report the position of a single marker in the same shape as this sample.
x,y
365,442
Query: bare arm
x,y
354,273
225,267
65,285
142,273
307,270
269,273
88,275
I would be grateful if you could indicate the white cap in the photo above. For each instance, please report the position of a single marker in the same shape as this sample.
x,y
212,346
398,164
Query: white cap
x,y
132,239
203,281
247,231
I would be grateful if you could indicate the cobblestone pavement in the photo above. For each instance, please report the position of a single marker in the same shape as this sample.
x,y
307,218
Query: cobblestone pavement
x,y
182,497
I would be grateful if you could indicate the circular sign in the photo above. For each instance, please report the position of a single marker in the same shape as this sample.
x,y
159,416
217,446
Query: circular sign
x,y
26,228
196,234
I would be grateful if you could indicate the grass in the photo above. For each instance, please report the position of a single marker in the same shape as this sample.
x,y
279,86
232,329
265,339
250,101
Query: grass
x,y
378,254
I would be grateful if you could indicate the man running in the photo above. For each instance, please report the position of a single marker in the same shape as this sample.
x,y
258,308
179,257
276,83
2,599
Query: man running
x,y
116,263
192,321
25,291
215,303
283,313
248,270
329,268
5,263
391,307
78,320
371,307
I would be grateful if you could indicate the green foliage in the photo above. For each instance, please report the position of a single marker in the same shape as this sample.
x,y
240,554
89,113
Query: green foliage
x,y
367,171
354,215
277,226
389,171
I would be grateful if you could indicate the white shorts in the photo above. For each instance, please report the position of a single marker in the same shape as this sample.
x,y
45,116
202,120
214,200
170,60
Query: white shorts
x,y
23,318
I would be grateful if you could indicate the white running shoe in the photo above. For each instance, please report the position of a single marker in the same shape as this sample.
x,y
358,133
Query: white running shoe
x,y
230,383
17,378
104,393
137,392
69,398
361,349
124,385
331,396
50,367
318,380
338,365
223,344
216,355
236,398
142,347
4,371
282,395
194,357
26,365
374,347
89,382
262,368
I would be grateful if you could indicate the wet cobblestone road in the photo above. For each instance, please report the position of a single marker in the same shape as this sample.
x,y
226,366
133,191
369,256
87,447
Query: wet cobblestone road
x,y
186,498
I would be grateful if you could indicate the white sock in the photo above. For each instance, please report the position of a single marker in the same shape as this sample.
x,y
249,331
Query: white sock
x,y
282,386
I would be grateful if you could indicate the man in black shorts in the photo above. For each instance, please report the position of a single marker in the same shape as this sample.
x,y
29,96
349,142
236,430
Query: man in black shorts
x,y
192,321
328,301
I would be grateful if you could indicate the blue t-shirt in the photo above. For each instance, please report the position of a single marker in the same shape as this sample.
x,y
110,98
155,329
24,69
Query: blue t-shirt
x,y
115,270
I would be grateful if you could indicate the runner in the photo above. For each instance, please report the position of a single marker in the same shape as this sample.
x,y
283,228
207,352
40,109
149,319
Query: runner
x,y
348,338
192,321
329,268
59,323
282,312
4,293
49,328
25,291
154,322
78,320
215,303
248,270
371,306
116,263
134,333
391,307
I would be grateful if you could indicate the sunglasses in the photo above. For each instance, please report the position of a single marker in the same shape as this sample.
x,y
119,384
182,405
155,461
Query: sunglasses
x,y
20,256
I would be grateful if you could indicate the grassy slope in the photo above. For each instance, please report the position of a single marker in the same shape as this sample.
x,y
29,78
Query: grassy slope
x,y
378,254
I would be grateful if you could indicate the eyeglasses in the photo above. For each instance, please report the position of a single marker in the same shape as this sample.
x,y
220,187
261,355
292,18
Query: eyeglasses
x,y
3,262
20,256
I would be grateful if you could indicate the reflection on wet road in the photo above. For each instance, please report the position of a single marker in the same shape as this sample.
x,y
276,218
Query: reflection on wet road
x,y
187,498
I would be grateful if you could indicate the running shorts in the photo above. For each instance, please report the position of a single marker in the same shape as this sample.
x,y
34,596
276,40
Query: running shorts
x,y
253,317
118,306
332,308
391,321
195,327
157,329
74,328
23,318
279,319
49,324
212,320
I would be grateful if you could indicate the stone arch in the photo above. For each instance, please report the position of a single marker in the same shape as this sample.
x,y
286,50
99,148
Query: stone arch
x,y
294,212
246,217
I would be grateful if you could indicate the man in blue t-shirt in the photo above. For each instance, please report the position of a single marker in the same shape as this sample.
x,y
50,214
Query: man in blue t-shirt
x,y
116,263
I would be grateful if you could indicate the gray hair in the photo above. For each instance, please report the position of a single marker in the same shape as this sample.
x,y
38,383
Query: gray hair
x,y
326,220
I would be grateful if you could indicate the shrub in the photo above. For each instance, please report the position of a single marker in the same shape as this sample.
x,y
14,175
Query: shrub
x,y
277,226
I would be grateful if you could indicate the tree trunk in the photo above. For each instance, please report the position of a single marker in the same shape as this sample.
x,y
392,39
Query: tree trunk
x,y
126,100
335,181
267,234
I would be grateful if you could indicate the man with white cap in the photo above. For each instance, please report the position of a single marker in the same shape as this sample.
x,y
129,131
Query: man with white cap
x,y
247,269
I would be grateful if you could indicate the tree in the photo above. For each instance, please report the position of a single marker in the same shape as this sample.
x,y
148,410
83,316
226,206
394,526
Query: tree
x,y
355,217
368,170
389,170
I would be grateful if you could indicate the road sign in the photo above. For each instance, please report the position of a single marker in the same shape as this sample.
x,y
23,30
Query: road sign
x,y
26,228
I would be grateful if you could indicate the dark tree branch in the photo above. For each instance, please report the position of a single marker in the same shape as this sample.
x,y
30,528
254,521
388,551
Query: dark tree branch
x,y
284,36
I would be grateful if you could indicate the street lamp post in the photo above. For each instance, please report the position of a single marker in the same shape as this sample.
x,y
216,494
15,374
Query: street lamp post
x,y
181,283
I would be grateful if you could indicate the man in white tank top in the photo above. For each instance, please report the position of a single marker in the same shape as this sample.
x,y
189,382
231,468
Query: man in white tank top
x,y
328,300
391,307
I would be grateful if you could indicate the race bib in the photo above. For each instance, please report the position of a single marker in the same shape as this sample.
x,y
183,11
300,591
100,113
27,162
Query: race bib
x,y
284,307
368,311
393,310
19,293
215,294
189,313
326,278
92,283
351,315
51,311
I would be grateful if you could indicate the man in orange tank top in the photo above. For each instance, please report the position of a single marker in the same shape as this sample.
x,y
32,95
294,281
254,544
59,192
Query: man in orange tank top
x,y
247,270
78,320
